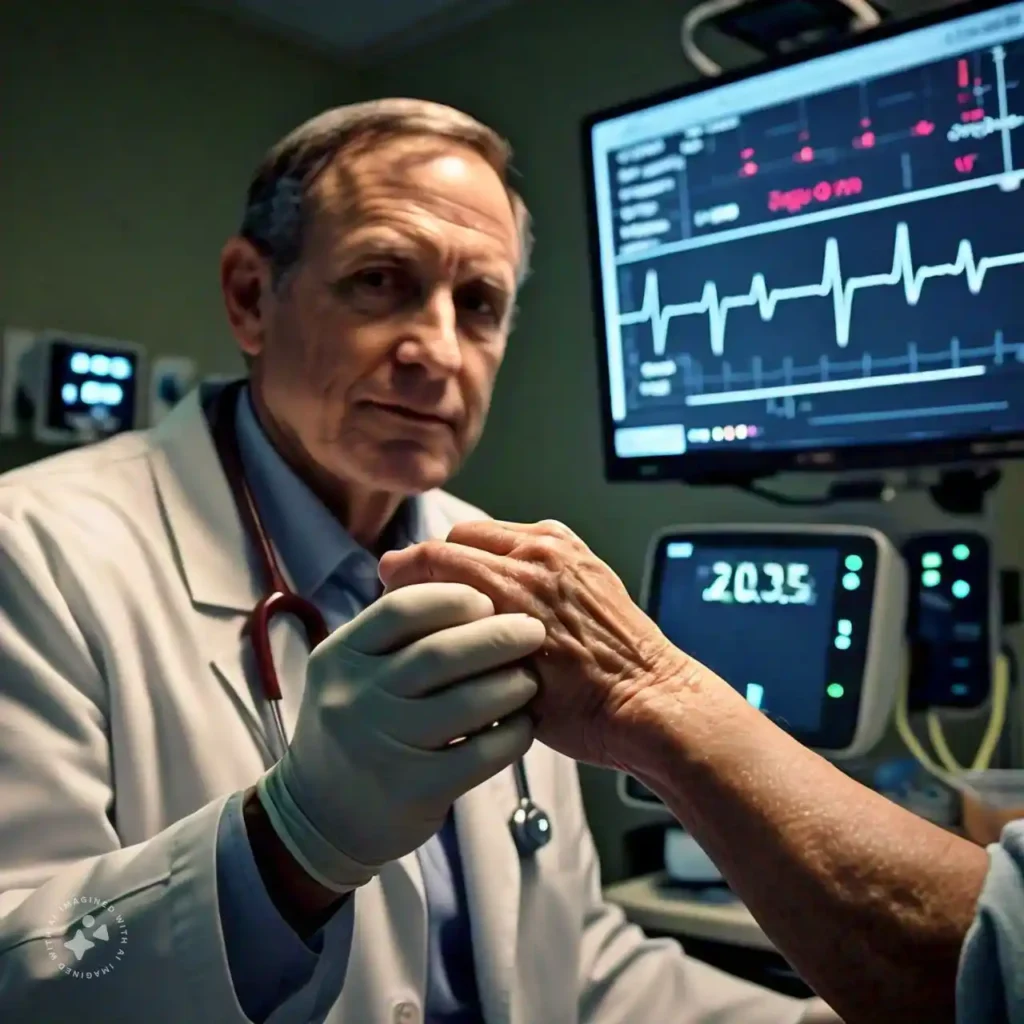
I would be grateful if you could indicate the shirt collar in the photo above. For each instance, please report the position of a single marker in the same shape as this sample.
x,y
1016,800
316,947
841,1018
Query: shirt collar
x,y
312,544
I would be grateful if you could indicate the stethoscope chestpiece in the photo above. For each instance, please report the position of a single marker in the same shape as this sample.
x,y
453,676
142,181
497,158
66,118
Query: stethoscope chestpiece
x,y
530,827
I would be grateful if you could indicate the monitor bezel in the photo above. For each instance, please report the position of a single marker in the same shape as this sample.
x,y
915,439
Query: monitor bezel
x,y
717,466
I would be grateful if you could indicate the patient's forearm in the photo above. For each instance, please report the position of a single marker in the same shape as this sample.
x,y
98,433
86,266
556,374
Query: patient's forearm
x,y
868,902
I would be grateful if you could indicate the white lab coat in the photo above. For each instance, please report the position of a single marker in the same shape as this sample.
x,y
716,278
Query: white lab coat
x,y
127,716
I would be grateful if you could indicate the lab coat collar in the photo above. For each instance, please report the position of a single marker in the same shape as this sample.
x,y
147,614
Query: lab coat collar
x,y
201,514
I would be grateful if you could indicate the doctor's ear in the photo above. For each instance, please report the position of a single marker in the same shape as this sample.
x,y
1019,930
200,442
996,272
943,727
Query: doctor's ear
x,y
245,282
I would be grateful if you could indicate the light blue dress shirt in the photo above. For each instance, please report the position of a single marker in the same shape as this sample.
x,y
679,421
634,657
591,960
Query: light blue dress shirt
x,y
269,963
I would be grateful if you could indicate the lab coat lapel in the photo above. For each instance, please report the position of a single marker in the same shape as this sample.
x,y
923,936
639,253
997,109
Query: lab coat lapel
x,y
490,865
213,550
214,555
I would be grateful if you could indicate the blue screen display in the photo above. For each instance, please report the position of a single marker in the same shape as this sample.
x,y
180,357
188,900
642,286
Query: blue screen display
x,y
763,619
92,385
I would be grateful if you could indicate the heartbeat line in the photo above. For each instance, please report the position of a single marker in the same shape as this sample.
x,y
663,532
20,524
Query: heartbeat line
x,y
903,272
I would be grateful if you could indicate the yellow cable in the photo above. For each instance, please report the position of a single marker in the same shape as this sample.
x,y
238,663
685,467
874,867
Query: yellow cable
x,y
993,730
938,740
997,719
901,716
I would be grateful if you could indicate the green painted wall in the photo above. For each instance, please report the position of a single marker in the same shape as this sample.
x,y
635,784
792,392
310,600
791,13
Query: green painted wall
x,y
127,135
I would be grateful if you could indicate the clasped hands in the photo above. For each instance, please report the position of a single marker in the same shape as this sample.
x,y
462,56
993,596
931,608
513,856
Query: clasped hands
x,y
602,657
500,634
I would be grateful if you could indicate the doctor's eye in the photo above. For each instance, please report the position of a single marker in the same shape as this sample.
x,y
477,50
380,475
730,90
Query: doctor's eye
x,y
376,278
482,302
378,287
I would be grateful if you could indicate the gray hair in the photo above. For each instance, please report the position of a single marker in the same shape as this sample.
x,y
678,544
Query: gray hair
x,y
278,201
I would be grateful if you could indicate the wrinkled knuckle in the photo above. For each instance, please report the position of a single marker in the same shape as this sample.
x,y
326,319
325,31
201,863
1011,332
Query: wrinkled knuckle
x,y
556,528
547,551
431,552
544,583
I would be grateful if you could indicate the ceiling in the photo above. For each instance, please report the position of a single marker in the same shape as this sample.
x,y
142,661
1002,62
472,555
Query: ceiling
x,y
353,29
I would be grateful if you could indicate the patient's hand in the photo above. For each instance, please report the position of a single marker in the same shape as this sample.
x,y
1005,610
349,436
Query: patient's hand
x,y
602,652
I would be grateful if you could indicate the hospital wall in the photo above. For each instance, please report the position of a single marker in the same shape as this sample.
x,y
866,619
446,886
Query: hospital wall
x,y
534,70
128,132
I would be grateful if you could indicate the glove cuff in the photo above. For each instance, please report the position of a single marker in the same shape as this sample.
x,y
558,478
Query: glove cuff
x,y
317,856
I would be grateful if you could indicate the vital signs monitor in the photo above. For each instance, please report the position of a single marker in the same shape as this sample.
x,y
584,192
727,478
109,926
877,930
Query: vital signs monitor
x,y
817,264
807,622
81,388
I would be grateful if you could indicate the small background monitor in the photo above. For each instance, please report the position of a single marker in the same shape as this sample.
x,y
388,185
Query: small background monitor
x,y
89,388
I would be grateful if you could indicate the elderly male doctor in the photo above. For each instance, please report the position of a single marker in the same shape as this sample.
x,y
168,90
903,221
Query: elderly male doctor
x,y
165,854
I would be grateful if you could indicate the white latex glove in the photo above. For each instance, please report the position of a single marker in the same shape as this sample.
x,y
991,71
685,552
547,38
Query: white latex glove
x,y
370,774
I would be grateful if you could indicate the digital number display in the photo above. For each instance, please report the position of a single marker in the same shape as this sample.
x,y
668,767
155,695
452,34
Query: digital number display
x,y
747,582
783,618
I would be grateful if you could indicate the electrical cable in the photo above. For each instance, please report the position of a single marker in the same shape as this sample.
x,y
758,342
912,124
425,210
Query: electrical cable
x,y
948,769
901,717
702,12
993,730
863,13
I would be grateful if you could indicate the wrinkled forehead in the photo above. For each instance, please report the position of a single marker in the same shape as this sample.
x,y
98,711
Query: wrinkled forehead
x,y
432,192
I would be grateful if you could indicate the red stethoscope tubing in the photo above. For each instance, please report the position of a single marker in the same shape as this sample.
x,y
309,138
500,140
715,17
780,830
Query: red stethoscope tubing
x,y
278,598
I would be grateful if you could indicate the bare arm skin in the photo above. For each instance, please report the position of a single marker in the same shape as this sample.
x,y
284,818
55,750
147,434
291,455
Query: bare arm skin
x,y
868,902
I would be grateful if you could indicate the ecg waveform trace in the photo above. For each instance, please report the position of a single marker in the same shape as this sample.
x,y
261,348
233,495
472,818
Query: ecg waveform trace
x,y
903,272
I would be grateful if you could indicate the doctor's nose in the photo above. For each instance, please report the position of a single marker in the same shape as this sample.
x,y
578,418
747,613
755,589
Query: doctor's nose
x,y
432,337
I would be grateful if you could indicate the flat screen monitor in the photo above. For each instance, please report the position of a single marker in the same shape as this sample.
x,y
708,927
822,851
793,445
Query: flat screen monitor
x,y
817,264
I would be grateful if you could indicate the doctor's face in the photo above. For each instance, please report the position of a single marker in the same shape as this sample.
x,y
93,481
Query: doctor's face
x,y
375,358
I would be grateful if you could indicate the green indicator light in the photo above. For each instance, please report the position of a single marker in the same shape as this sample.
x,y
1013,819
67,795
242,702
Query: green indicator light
x,y
931,560
851,581
961,552
961,588
835,690
931,577
854,563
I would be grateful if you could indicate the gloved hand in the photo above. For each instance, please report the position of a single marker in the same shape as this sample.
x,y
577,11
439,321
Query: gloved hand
x,y
372,770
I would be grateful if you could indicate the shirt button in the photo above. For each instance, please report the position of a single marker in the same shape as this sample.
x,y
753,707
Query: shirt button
x,y
406,1013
